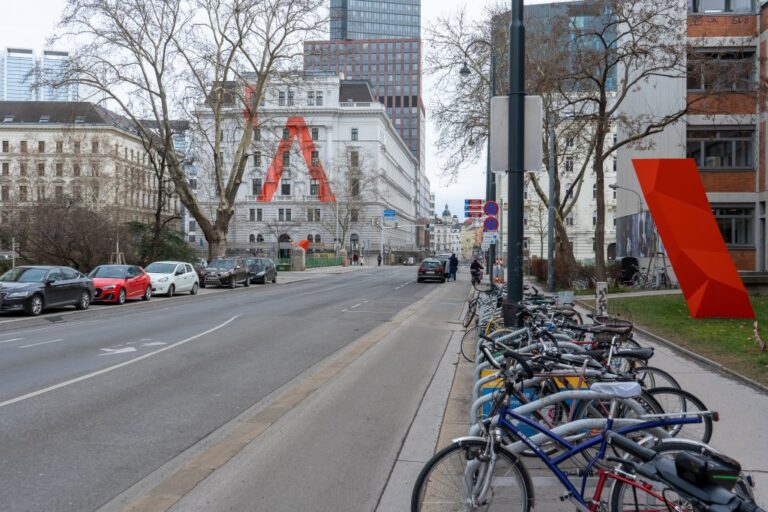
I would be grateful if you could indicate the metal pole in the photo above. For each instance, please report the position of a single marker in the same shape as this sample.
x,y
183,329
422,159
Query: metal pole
x,y
13,252
337,229
381,249
490,180
516,163
551,207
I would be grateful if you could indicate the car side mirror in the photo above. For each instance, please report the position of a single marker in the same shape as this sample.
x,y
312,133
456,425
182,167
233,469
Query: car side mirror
x,y
179,272
49,282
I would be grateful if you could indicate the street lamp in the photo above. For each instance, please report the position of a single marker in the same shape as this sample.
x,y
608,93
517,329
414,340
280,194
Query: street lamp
x,y
490,182
614,186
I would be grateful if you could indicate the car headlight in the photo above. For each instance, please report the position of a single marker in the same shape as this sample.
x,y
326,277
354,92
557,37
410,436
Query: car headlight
x,y
261,273
17,295
163,280
224,274
110,287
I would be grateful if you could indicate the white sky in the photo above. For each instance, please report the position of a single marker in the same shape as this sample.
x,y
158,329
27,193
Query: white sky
x,y
27,24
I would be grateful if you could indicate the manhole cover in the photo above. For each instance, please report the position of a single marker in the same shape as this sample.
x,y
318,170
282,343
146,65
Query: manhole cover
x,y
55,319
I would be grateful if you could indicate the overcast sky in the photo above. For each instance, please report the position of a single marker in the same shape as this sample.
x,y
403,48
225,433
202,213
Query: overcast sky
x,y
29,22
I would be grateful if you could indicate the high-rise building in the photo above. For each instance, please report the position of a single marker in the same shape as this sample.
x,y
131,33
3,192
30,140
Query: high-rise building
x,y
19,68
366,19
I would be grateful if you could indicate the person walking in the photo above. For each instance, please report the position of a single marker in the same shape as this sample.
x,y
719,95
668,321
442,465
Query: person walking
x,y
378,258
453,265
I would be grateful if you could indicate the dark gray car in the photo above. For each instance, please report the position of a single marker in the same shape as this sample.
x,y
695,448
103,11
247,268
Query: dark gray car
x,y
262,270
35,288
227,272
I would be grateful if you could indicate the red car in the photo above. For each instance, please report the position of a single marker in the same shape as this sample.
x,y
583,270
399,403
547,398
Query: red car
x,y
118,283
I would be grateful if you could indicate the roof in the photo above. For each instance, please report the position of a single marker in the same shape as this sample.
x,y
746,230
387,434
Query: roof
x,y
61,112
355,91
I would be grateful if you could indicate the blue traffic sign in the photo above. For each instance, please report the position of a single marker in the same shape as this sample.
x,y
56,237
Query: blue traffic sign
x,y
490,224
491,208
390,213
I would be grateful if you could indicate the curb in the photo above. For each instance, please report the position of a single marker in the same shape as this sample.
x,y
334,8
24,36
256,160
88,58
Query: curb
x,y
691,355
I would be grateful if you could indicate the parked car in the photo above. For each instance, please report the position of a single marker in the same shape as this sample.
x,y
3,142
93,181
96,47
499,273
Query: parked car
x,y
118,283
262,270
35,288
170,277
227,272
431,268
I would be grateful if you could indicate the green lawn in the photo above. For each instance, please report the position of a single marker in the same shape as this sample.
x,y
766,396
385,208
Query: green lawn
x,y
729,342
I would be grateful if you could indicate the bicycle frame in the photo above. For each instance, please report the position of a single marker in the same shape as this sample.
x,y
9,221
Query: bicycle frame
x,y
571,450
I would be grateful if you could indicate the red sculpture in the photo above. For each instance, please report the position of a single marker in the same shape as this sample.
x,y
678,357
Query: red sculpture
x,y
689,232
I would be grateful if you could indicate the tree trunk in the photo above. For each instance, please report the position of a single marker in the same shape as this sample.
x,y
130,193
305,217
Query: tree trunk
x,y
217,245
599,162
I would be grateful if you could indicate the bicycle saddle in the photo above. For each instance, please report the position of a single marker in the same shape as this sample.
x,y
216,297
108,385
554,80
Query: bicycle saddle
x,y
600,328
618,389
643,354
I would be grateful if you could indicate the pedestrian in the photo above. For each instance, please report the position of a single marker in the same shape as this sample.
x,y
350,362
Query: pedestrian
x,y
378,258
355,260
362,262
453,265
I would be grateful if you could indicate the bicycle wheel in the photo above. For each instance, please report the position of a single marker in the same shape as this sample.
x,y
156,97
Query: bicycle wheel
x,y
469,345
650,377
449,480
678,403
470,314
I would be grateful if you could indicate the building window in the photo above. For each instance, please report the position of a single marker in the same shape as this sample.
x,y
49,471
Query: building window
x,y
192,238
355,134
23,146
59,192
41,169
353,215
252,215
319,98
5,146
722,149
284,214
569,142
5,193
569,220
256,187
722,70
59,147
257,134
315,158
594,191
23,194
313,214
281,98
354,185
286,159
192,225
258,215
285,187
315,133
59,169
720,6
286,134
77,147
76,169
290,98
41,146
193,183
252,238
6,169
354,158
22,168
94,146
569,164
260,239
311,98
736,225
314,187
317,239
257,159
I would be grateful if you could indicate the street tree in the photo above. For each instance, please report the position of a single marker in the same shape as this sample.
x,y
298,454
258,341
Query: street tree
x,y
170,59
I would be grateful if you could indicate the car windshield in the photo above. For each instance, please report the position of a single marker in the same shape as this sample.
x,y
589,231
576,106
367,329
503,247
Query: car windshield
x,y
430,264
226,264
109,272
24,275
260,264
161,268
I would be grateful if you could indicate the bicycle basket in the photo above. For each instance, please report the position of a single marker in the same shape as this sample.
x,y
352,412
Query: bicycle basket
x,y
611,321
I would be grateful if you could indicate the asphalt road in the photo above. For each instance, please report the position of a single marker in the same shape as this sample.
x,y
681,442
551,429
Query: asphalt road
x,y
94,402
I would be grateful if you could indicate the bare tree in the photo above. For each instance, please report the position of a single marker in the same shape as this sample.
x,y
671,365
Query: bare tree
x,y
163,59
537,220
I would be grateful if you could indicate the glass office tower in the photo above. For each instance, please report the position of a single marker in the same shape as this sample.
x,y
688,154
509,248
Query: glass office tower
x,y
20,66
375,19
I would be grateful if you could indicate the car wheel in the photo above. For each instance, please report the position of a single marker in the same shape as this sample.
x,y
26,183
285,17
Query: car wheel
x,y
247,281
202,283
193,291
232,282
121,296
442,280
84,302
147,293
34,305
171,291
419,280
274,279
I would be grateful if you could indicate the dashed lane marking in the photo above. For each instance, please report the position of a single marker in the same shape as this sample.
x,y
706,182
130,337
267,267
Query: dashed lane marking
x,y
42,343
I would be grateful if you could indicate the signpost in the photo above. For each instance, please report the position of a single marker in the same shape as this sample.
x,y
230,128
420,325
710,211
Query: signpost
x,y
390,214
473,208
534,150
490,224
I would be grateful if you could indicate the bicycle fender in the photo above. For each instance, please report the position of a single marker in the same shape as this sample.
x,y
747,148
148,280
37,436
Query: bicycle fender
x,y
464,439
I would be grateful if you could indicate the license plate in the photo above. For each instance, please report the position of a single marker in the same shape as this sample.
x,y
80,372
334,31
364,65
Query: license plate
x,y
430,271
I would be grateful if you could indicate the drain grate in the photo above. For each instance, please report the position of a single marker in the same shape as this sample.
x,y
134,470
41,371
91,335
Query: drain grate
x,y
55,319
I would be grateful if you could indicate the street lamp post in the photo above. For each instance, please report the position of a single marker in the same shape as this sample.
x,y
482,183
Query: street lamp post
x,y
490,181
516,159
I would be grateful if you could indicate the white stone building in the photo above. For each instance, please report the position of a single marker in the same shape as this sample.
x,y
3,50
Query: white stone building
x,y
326,162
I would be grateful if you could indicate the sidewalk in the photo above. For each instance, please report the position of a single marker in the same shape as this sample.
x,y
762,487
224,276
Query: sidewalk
x,y
741,432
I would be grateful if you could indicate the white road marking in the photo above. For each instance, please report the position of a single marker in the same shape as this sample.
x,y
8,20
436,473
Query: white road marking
x,y
42,343
12,339
154,344
116,351
355,306
60,385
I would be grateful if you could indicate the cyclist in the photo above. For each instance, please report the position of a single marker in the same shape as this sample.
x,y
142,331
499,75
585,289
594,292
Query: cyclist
x,y
475,269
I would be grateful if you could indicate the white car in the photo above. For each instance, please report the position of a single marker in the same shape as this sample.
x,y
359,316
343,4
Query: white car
x,y
171,277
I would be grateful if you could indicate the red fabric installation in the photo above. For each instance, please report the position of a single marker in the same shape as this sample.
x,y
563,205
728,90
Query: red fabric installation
x,y
687,227
297,128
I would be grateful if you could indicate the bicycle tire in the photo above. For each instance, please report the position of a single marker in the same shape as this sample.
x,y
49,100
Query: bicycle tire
x,y
649,377
440,481
470,314
469,345
670,448
674,401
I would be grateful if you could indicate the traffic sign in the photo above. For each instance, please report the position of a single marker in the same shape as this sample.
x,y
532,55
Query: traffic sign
x,y
390,213
474,215
533,151
468,202
491,237
490,224
491,208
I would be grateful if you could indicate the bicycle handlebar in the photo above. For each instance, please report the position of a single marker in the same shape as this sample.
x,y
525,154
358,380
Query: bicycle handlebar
x,y
512,355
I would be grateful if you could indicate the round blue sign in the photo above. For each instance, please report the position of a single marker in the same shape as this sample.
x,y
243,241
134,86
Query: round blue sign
x,y
491,208
490,224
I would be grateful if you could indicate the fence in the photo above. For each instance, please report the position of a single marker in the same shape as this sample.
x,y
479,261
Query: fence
x,y
322,261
